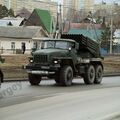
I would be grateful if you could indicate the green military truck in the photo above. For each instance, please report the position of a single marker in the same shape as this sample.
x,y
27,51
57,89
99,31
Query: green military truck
x,y
65,58
1,73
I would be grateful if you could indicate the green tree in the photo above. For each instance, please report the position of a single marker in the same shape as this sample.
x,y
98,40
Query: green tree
x,y
0,11
105,43
11,13
3,12
99,20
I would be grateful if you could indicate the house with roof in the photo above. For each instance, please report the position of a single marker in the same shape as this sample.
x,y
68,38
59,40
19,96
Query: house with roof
x,y
12,38
10,21
42,18
23,13
69,25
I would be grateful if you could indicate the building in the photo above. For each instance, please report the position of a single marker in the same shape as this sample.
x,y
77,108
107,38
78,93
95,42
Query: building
x,y
79,26
42,18
23,13
5,3
105,9
9,3
86,5
72,6
7,21
30,5
12,38
67,9
108,12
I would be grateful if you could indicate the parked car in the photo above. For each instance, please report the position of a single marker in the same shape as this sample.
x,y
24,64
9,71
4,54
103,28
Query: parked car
x,y
1,77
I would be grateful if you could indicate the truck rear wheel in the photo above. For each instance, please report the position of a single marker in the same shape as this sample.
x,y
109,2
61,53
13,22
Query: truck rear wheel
x,y
66,76
89,76
98,74
34,79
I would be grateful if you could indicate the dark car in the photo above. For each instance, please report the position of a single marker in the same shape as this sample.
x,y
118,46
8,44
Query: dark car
x,y
1,77
1,73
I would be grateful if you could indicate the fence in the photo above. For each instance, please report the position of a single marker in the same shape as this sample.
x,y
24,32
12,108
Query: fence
x,y
13,51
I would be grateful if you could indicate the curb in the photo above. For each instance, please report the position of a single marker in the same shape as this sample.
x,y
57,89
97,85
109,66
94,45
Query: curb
x,y
26,79
111,74
16,80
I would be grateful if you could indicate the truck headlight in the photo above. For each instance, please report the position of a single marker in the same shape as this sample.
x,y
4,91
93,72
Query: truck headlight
x,y
55,61
31,61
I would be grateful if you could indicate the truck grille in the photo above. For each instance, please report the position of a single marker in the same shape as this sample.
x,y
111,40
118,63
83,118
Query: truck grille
x,y
40,58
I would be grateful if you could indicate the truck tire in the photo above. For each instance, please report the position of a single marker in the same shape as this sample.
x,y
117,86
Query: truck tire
x,y
98,74
34,79
89,76
66,76
50,76
57,77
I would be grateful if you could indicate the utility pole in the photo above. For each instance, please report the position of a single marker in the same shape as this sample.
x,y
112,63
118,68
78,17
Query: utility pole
x,y
59,23
111,29
60,20
111,35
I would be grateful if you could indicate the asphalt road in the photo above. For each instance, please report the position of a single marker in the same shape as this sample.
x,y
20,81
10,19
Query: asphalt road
x,y
51,102
19,92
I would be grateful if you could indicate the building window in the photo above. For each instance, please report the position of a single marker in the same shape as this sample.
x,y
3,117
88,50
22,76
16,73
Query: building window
x,y
12,45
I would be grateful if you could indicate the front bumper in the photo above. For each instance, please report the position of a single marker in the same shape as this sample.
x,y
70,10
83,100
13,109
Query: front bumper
x,y
40,72
42,69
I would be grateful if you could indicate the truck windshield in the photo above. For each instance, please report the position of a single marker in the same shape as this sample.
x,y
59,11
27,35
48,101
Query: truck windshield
x,y
55,44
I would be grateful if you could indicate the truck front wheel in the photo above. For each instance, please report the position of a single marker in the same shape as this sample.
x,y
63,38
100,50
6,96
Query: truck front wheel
x,y
57,78
34,79
66,76
89,76
98,74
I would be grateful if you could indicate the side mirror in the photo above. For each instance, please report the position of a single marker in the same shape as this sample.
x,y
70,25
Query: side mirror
x,y
34,49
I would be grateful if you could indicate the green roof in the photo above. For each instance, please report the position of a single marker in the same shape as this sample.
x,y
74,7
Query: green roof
x,y
91,33
46,19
